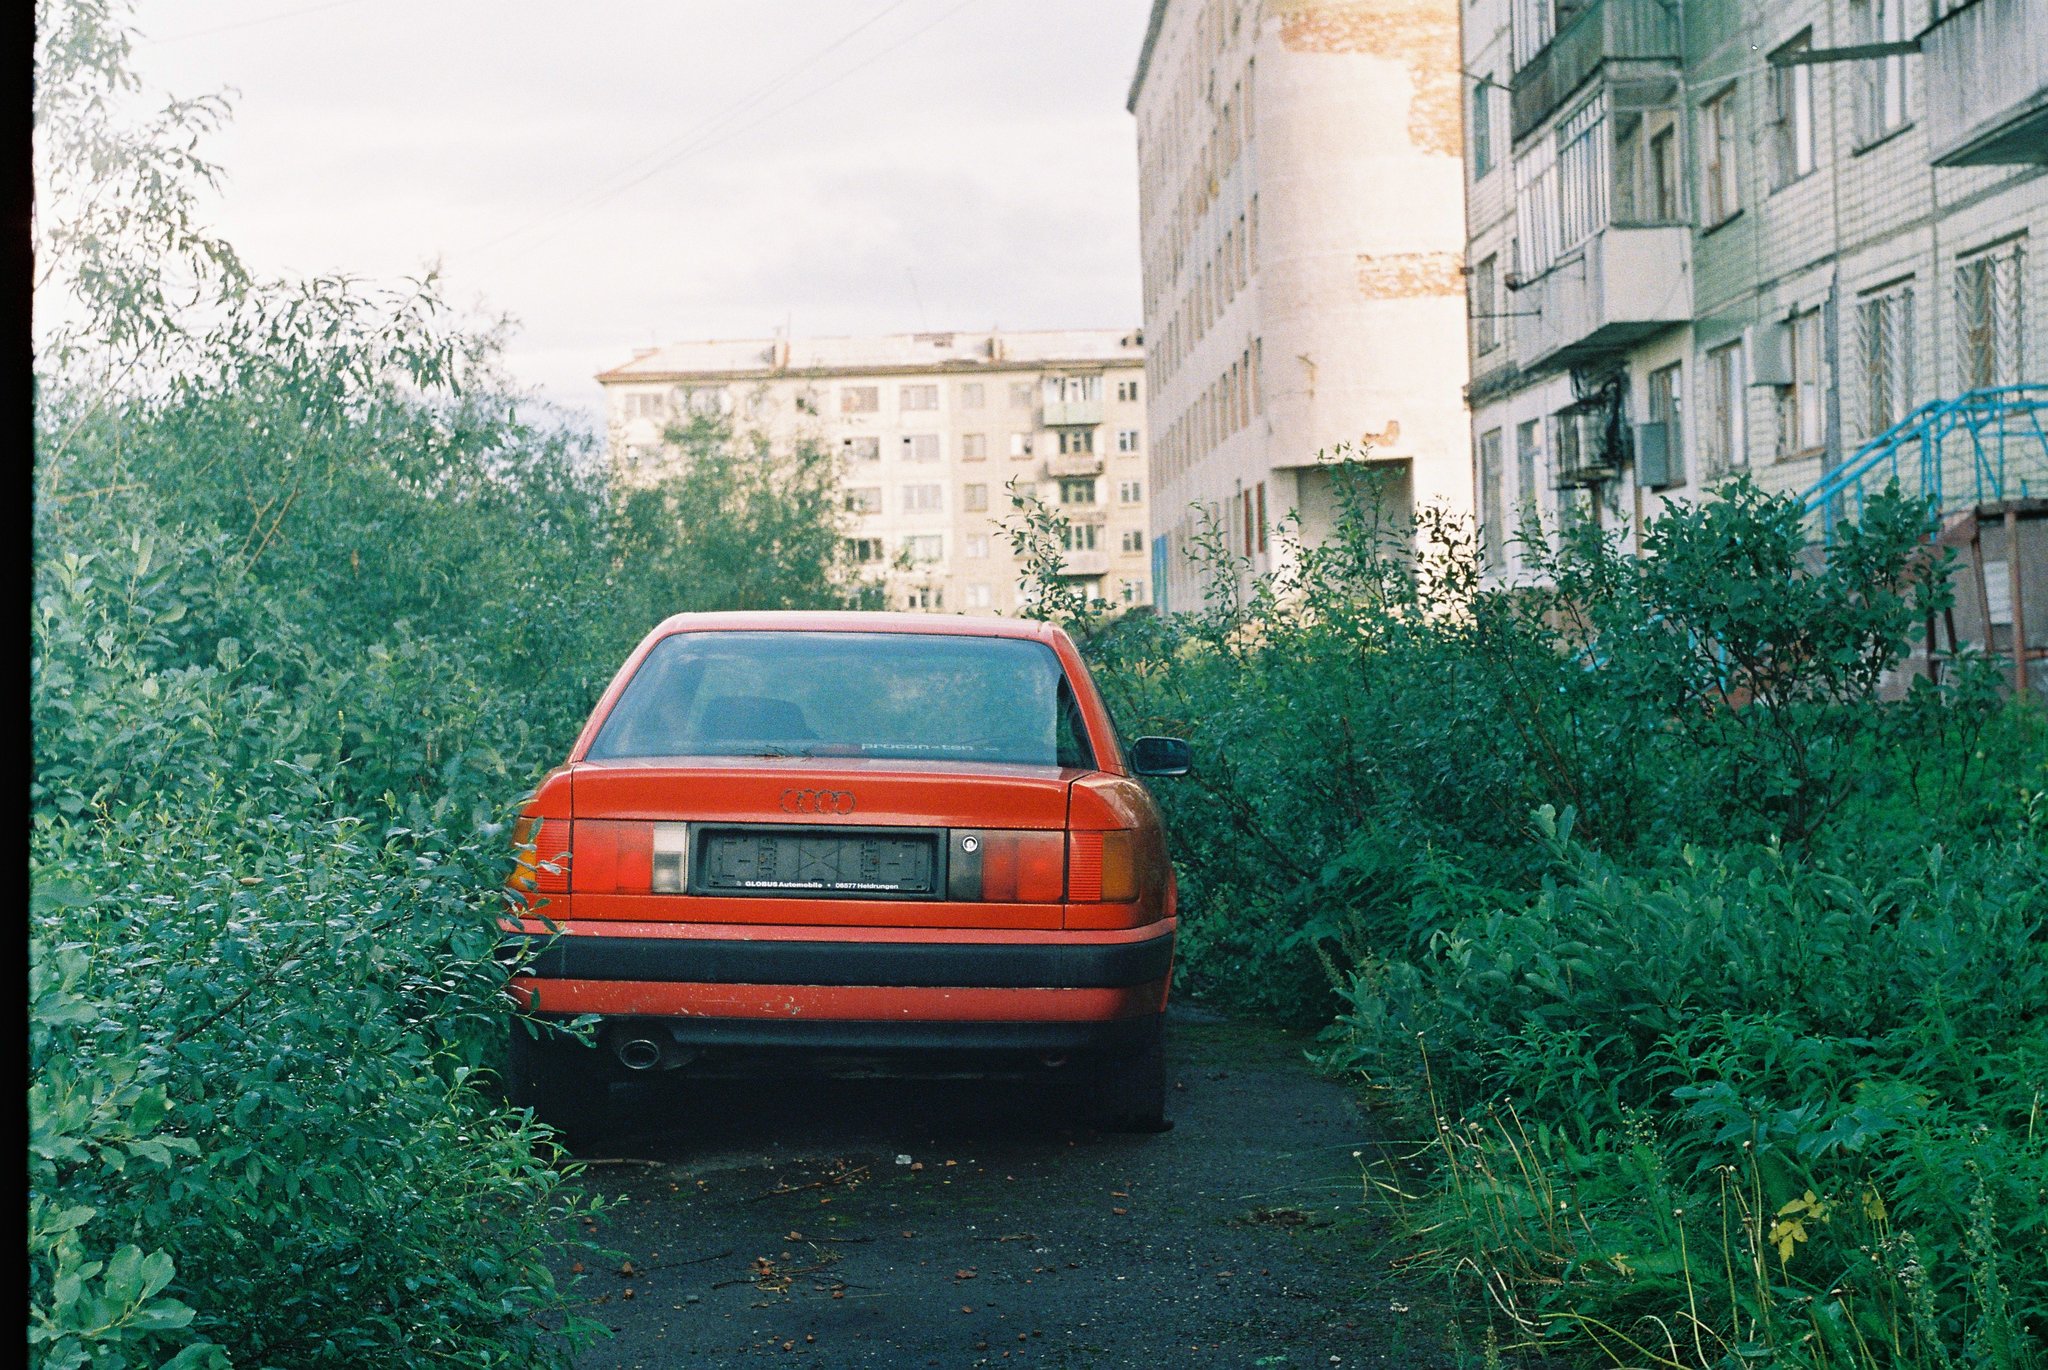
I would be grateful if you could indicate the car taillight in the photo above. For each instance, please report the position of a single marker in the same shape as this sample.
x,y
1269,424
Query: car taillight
x,y
1102,867
614,857
540,862
1007,867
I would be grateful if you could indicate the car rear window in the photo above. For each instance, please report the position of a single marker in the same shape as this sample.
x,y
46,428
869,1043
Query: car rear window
x,y
901,696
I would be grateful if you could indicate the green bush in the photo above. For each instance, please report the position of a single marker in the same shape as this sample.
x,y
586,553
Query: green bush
x,y
317,595
1712,968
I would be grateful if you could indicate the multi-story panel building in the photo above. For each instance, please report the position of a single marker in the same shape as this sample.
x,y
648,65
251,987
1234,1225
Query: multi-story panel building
x,y
1748,236
1299,204
935,432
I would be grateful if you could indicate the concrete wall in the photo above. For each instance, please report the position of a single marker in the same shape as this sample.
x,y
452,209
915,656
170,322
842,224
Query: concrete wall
x,y
1333,130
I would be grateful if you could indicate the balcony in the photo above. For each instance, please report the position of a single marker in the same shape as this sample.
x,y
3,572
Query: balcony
x,y
1072,413
1078,514
1074,464
1084,565
1989,63
1620,286
1603,31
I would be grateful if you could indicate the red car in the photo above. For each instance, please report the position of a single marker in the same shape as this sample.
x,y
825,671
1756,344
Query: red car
x,y
880,842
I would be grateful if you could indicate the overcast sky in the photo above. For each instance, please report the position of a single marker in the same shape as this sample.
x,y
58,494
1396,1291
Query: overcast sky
x,y
618,173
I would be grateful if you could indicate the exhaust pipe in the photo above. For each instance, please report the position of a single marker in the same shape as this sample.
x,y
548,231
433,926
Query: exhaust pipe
x,y
639,1053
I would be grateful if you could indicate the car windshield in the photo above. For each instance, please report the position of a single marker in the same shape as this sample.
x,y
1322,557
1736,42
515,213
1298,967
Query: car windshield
x,y
899,696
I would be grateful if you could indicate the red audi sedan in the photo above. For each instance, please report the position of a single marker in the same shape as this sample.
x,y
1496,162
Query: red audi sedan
x,y
884,843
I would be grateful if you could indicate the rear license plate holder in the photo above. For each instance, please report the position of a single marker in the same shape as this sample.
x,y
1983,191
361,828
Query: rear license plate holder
x,y
777,861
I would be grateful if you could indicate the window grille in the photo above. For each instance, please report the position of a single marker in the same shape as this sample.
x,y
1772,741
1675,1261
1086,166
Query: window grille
x,y
1886,324
1990,318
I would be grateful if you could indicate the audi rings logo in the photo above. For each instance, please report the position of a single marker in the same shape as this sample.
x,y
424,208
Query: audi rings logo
x,y
817,801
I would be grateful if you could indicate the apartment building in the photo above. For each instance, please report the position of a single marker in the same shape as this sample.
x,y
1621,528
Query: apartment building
x,y
1750,236
935,432
1302,238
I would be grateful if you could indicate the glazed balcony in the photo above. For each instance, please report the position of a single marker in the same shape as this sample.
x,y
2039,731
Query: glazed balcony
x,y
1602,31
1621,285
1989,63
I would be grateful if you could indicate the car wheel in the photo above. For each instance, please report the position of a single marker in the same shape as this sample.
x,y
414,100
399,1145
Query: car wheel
x,y
1130,1086
561,1079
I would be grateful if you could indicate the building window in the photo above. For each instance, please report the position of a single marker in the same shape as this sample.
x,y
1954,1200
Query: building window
x,y
1260,503
1492,508
1794,151
1126,439
1130,492
976,545
1722,448
1134,540
974,498
921,447
977,596
1129,591
1020,444
859,399
918,397
1020,394
924,596
1081,491
1528,462
1646,166
707,402
865,551
973,446
1076,440
861,449
971,395
1082,537
1722,192
1486,304
1990,331
1482,127
1072,389
1886,324
1884,83
923,499
863,499
1799,402
924,548
646,406
1663,176
1667,402
1127,391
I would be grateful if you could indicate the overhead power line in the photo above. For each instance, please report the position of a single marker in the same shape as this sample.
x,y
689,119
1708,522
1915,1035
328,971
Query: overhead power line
x,y
706,142
612,183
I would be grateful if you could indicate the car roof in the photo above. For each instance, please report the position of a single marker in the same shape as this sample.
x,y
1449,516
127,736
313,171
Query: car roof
x,y
856,621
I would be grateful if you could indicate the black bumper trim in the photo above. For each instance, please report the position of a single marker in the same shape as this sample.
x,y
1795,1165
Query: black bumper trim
x,y
935,965
825,1036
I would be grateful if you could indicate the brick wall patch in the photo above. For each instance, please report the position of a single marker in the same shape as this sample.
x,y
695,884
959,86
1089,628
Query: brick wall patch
x,y
1410,275
1421,33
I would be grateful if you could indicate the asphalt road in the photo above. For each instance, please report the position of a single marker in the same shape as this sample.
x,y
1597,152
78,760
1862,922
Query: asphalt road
x,y
957,1223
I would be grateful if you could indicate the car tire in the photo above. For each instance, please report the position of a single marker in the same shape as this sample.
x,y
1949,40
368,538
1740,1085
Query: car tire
x,y
1129,1088
562,1080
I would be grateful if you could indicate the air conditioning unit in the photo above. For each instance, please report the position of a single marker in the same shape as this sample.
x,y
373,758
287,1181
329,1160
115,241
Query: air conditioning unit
x,y
1768,346
1658,463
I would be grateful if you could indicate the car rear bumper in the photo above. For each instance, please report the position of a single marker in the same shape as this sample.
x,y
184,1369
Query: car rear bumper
x,y
984,991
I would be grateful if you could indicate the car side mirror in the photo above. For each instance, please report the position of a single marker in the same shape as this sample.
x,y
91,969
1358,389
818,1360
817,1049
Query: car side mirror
x,y
1161,756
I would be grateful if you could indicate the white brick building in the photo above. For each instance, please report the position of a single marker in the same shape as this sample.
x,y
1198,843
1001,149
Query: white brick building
x,y
1743,236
